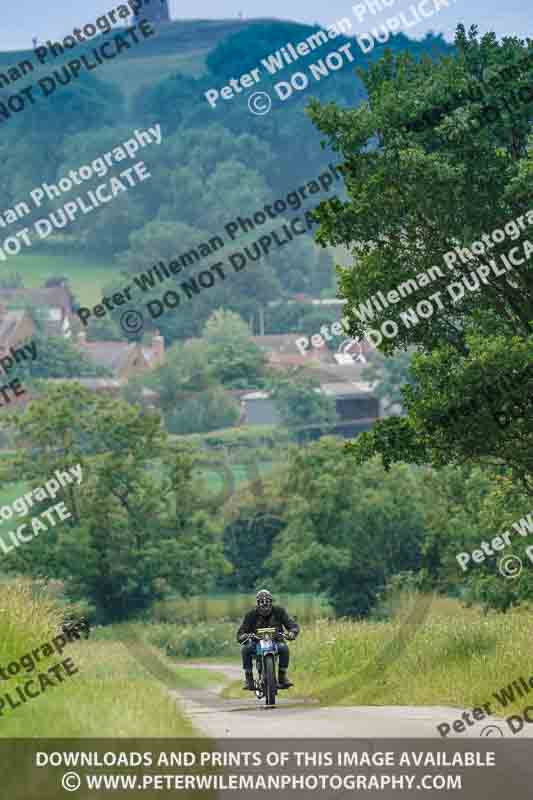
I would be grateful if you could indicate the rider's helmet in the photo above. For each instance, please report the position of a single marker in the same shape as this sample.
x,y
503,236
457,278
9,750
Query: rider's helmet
x,y
263,600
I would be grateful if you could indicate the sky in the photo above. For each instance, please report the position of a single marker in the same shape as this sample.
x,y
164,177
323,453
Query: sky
x,y
53,19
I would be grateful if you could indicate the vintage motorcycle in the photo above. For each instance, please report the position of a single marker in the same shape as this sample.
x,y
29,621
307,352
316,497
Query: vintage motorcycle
x,y
265,658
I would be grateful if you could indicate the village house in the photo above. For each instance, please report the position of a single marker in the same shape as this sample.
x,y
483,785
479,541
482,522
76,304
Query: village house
x,y
16,327
356,404
52,307
123,359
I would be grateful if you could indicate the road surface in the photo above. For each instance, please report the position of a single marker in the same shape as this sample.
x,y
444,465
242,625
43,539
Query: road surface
x,y
245,718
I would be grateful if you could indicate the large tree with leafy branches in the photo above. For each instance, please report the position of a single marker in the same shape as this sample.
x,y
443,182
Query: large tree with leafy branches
x,y
415,193
235,360
139,526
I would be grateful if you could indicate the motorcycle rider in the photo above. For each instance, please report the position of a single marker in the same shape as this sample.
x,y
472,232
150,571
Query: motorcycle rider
x,y
266,615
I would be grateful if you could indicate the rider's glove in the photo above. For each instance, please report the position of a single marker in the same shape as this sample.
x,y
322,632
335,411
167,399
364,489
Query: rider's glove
x,y
243,637
291,635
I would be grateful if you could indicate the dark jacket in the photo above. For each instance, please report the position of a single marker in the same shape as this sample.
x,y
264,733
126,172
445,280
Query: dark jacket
x,y
278,619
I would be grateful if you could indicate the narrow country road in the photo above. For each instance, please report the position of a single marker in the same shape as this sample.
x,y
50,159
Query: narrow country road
x,y
246,717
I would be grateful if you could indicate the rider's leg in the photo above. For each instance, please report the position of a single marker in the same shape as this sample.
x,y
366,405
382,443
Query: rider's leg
x,y
247,651
283,651
283,678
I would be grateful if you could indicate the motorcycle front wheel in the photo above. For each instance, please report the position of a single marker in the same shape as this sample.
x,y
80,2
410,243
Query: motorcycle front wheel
x,y
270,681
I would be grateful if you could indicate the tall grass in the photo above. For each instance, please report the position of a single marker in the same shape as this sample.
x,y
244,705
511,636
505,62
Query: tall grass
x,y
205,627
110,695
456,657
449,656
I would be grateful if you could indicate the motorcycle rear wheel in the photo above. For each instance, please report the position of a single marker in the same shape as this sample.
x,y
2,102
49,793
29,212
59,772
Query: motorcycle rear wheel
x,y
270,681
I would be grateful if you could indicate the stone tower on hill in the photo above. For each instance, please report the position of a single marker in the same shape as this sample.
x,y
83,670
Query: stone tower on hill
x,y
154,11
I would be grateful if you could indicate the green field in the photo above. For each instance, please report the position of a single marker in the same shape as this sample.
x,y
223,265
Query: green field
x,y
86,275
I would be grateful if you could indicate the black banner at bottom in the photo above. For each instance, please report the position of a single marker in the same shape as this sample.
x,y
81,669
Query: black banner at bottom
x,y
54,769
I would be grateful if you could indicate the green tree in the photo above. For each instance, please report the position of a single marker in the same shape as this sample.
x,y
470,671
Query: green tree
x,y
301,404
346,534
158,241
301,318
34,139
464,508
104,330
415,193
56,357
138,528
453,499
109,232
191,398
390,376
185,371
234,359
254,517
178,92
210,410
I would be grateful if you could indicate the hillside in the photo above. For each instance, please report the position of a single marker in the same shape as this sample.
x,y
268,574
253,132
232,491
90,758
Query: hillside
x,y
181,45
210,167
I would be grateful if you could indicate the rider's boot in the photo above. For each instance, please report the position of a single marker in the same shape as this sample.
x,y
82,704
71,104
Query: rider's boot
x,y
283,680
249,681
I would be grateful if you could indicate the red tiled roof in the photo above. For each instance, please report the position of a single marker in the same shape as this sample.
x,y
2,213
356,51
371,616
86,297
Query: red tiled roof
x,y
107,354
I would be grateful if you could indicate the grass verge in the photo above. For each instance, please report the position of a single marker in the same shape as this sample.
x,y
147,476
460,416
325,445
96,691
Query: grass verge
x,y
110,695
149,646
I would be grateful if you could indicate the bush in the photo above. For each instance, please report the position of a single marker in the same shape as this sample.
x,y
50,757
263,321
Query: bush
x,y
206,411
251,436
400,588
232,607
195,641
